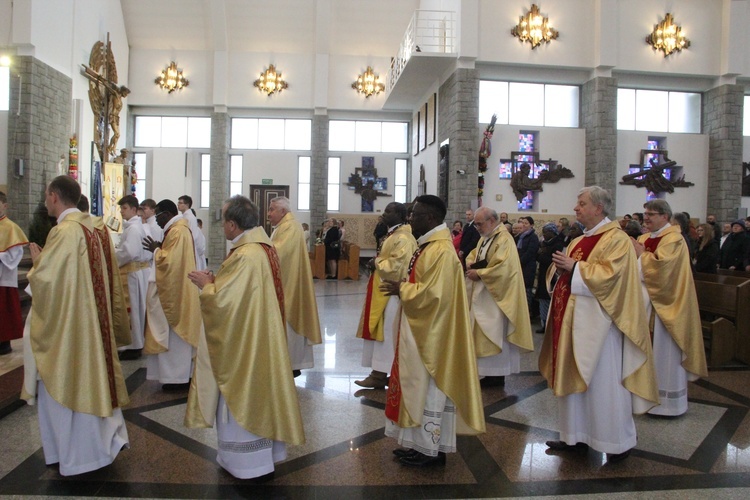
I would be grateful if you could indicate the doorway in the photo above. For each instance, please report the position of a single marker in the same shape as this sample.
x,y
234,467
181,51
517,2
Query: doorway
x,y
262,195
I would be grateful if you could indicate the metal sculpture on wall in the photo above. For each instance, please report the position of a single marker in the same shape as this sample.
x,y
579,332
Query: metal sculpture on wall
x,y
521,181
366,183
657,177
105,97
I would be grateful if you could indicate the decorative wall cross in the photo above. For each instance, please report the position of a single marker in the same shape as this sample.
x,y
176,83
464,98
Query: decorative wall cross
x,y
529,173
656,172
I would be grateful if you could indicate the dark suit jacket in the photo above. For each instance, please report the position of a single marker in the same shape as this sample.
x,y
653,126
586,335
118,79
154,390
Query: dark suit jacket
x,y
469,239
527,253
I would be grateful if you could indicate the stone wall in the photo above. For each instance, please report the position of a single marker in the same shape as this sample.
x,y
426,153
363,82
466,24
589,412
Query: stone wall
x,y
599,119
219,190
458,121
38,132
722,122
319,172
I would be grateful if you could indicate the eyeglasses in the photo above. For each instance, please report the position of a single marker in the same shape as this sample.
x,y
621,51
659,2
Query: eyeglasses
x,y
652,214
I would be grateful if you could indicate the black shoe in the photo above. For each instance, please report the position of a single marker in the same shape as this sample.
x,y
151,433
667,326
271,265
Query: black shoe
x,y
296,373
330,277
175,387
5,348
540,330
261,479
563,446
129,354
401,452
492,382
613,458
422,460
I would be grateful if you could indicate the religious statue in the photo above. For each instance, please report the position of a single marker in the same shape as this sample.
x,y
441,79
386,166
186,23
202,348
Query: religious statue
x,y
653,179
521,182
105,96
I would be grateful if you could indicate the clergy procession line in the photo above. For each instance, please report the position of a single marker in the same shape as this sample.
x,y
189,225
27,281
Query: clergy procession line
x,y
440,320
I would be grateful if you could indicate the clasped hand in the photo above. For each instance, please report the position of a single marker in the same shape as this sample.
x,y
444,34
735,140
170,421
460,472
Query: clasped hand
x,y
391,287
201,278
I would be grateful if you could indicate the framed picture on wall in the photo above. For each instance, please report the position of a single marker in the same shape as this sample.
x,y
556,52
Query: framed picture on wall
x,y
415,134
423,127
431,115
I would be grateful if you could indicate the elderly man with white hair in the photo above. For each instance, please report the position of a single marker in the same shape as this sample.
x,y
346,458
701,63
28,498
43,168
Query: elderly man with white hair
x,y
301,309
596,354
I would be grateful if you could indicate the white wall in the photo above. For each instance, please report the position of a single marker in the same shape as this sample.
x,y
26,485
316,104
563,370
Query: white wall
x,y
690,151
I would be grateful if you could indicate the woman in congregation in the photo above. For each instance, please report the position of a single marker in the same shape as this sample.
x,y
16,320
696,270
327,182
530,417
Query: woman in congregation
x,y
707,255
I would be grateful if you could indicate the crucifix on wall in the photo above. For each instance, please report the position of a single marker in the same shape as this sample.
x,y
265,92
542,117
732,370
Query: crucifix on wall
x,y
366,183
529,173
656,172
105,96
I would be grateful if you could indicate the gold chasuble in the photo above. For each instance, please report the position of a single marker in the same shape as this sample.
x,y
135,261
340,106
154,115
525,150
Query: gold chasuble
x,y
608,266
434,304
503,279
391,263
243,353
296,275
173,292
669,281
71,328
118,289
10,235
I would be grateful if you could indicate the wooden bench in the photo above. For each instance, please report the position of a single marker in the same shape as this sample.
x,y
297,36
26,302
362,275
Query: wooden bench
x,y
348,265
318,261
724,303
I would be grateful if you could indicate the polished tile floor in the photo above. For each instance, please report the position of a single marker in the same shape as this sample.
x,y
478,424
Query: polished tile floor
x,y
702,454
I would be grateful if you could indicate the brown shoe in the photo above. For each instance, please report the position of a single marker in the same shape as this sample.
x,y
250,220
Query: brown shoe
x,y
376,380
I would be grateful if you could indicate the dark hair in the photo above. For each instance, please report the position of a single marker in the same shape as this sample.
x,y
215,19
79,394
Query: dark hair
x,y
167,206
83,204
128,200
528,218
682,220
67,189
149,203
242,212
435,206
633,228
3,198
187,200
400,210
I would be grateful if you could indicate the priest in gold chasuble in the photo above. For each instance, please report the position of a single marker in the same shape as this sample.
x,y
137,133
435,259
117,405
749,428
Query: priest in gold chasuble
x,y
301,309
80,388
379,320
497,299
173,319
596,354
671,308
433,391
243,380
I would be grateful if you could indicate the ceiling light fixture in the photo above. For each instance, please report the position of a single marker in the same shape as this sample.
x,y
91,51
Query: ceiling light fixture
x,y
368,83
668,36
171,79
270,81
534,28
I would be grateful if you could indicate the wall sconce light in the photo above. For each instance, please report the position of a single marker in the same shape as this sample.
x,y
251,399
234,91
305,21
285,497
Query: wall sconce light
x,y
667,36
171,79
270,81
368,83
5,61
534,28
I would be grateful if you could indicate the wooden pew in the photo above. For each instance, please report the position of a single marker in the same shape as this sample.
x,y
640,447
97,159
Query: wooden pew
x,y
727,300
348,266
318,261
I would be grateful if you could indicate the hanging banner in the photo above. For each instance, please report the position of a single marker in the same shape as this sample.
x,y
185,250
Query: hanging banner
x,y
112,191
96,188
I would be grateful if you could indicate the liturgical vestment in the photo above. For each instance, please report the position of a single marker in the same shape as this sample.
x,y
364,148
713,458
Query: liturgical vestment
x,y
303,324
72,339
242,362
12,241
674,318
499,312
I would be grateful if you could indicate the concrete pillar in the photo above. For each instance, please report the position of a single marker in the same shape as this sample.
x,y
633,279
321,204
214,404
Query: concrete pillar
x,y
599,119
722,122
217,242
318,172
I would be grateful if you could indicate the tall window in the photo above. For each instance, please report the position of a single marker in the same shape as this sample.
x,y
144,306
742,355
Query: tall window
x,y
267,133
140,170
235,175
4,88
172,132
400,181
334,183
529,104
205,180
376,137
303,183
659,111
746,117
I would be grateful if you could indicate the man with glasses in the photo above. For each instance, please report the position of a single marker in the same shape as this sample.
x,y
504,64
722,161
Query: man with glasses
x,y
434,388
671,308
596,355
497,299
173,317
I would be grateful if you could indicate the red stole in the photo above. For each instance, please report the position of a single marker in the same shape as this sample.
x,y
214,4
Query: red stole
x,y
393,399
652,243
561,293
366,333
94,251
